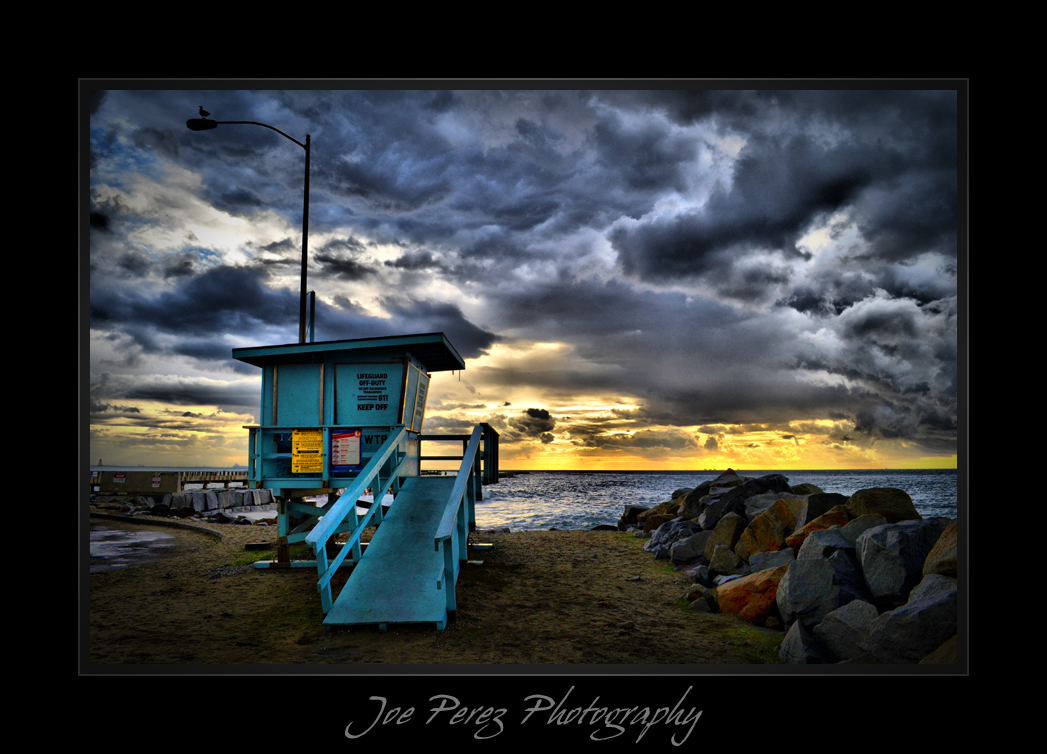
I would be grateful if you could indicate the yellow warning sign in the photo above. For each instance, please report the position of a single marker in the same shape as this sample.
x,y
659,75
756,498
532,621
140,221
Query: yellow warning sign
x,y
307,451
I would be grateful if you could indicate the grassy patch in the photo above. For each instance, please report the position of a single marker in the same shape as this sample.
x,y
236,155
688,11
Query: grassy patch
x,y
252,556
299,551
762,645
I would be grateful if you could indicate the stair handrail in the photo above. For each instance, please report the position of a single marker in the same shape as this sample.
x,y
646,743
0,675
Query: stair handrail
x,y
452,534
461,485
335,513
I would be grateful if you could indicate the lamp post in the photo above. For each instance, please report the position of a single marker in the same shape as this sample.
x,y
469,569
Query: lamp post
x,y
204,124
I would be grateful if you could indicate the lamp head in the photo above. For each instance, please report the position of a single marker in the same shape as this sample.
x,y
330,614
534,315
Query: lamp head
x,y
201,124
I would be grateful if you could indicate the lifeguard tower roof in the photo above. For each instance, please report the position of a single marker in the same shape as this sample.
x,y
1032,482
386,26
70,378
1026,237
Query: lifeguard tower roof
x,y
432,349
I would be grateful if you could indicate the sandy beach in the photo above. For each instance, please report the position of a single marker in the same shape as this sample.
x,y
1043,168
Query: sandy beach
x,y
534,598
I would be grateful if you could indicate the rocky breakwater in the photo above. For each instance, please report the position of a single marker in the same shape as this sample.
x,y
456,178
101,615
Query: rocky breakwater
x,y
220,506
853,579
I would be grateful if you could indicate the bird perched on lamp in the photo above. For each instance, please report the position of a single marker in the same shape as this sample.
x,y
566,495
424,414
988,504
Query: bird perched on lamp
x,y
203,113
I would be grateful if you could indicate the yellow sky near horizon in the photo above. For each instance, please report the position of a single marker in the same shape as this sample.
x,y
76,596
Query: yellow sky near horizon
x,y
583,431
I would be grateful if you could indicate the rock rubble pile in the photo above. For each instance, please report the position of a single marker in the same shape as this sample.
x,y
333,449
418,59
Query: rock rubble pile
x,y
850,579
220,506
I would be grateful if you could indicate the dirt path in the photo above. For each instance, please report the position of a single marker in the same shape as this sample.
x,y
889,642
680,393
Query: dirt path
x,y
539,598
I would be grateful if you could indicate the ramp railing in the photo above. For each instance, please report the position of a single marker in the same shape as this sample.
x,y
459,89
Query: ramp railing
x,y
380,473
452,536
487,454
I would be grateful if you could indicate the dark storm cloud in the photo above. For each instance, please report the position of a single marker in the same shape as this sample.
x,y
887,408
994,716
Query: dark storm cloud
x,y
342,258
646,156
646,442
777,192
469,339
158,140
914,218
220,300
192,394
419,262
237,201
900,181
180,266
98,407
488,193
536,421
227,300
346,269
534,424
134,264
109,391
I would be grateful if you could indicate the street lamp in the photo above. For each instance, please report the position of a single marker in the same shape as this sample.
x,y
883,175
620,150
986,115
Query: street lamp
x,y
203,124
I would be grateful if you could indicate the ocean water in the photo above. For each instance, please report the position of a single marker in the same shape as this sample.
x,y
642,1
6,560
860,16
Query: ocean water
x,y
581,500
539,500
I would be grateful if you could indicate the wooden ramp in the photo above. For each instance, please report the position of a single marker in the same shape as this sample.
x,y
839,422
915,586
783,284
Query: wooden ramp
x,y
400,579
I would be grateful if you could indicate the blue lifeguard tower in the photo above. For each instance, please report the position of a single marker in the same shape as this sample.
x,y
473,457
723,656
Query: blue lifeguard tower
x,y
339,419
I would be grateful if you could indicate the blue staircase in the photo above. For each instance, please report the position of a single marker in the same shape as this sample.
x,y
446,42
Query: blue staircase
x,y
401,579
408,572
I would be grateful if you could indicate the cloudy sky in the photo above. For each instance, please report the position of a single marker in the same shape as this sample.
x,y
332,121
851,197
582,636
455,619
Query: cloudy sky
x,y
637,278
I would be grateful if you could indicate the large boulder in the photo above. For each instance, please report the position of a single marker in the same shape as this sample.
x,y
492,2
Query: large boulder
x,y
942,557
724,561
693,503
806,489
668,508
752,597
823,543
258,497
667,534
629,516
812,589
892,557
852,530
909,633
820,503
653,523
729,478
203,500
761,561
757,504
726,533
893,504
844,633
800,648
690,548
835,516
229,498
769,530
733,500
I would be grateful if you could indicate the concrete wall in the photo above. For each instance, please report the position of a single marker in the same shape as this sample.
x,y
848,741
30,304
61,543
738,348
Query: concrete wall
x,y
135,482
